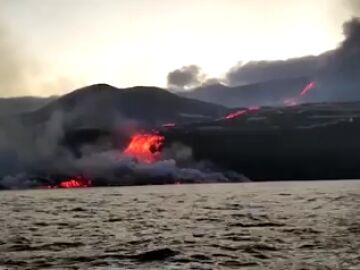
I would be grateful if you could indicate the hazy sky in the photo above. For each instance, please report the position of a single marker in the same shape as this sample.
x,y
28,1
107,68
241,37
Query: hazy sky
x,y
63,44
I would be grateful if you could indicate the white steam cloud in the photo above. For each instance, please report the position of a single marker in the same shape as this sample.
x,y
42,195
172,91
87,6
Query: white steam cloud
x,y
31,153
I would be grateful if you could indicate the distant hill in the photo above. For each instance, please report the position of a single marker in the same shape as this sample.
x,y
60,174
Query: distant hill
x,y
263,93
102,106
305,142
10,106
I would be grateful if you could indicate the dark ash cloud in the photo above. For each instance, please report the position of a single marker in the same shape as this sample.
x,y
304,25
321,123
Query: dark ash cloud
x,y
336,74
341,65
260,71
340,77
186,77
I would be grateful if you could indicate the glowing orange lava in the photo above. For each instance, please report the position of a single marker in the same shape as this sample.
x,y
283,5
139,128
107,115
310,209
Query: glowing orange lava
x,y
294,101
76,182
236,114
307,88
145,146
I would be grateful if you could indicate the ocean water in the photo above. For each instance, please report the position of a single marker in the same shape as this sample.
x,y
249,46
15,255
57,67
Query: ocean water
x,y
273,225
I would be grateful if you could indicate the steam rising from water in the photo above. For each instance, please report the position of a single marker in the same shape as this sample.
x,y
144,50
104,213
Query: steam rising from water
x,y
29,153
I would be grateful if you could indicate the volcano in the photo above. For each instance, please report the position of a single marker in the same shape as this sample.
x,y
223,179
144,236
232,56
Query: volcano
x,y
104,106
267,93
301,141
304,142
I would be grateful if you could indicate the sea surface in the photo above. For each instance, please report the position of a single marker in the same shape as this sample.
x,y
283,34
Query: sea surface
x,y
272,225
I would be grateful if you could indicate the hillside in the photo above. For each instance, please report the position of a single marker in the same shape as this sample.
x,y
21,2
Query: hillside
x,y
104,106
265,93
310,141
11,106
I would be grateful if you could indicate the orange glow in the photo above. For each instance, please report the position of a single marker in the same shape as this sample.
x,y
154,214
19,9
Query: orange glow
x,y
145,146
307,88
74,183
236,114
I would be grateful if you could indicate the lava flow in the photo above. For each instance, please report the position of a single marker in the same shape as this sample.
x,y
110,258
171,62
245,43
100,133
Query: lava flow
x,y
75,182
294,101
145,147
233,115
238,113
307,88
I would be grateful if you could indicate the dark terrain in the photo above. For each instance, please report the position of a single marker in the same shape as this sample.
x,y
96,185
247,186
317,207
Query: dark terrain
x,y
306,141
268,93
105,106
314,141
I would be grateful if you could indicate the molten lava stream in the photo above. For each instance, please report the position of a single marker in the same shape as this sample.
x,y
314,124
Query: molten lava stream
x,y
236,114
74,183
145,147
307,88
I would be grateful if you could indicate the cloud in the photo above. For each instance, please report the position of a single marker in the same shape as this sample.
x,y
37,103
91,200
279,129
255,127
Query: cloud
x,y
340,77
260,71
341,64
336,72
186,77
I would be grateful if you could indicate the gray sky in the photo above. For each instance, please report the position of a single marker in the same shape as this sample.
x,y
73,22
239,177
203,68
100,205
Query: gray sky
x,y
54,46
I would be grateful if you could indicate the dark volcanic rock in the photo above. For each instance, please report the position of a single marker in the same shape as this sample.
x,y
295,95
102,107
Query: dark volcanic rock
x,y
262,93
146,105
310,141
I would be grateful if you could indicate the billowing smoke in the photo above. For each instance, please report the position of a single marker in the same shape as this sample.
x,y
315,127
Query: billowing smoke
x,y
117,169
16,105
261,71
24,147
185,78
337,71
339,79
28,154
336,74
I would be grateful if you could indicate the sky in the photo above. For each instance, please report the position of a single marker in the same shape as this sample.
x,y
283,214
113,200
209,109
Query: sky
x,y
51,47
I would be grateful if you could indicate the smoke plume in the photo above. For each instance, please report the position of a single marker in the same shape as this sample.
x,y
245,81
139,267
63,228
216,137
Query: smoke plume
x,y
336,74
117,169
260,71
187,77
30,153
337,71
339,79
